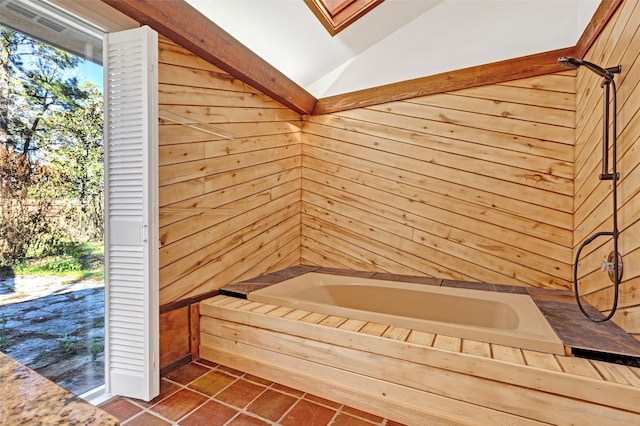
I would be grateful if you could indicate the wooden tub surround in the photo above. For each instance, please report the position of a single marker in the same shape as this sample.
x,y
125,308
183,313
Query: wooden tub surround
x,y
411,376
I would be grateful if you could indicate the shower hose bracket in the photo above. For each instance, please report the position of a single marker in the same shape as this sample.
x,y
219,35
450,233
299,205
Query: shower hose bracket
x,y
609,176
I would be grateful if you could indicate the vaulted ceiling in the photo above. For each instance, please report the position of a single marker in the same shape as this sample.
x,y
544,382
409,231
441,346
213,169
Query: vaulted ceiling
x,y
398,49
398,39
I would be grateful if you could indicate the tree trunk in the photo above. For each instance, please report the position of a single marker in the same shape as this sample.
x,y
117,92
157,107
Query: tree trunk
x,y
4,85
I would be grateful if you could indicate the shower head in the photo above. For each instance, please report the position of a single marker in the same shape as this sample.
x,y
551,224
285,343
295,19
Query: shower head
x,y
573,63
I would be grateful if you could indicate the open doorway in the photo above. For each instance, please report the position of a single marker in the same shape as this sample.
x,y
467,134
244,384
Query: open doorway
x,y
51,198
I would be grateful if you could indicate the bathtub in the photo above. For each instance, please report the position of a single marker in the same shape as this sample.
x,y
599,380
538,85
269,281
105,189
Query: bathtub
x,y
494,317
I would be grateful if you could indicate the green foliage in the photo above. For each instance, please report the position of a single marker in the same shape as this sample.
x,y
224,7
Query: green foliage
x,y
61,265
95,347
75,260
39,87
24,219
5,339
77,154
46,115
70,344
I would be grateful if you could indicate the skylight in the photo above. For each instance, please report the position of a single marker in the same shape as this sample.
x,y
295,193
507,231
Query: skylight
x,y
336,15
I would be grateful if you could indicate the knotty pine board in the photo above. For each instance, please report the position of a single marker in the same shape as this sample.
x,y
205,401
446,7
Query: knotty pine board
x,y
228,208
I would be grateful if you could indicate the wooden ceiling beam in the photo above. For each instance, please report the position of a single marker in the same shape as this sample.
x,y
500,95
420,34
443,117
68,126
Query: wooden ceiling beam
x,y
180,22
497,72
600,18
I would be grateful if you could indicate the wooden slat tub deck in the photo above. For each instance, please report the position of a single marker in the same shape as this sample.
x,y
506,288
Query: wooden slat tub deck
x,y
414,377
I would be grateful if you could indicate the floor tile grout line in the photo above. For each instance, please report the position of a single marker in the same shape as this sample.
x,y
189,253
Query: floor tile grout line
x,y
337,411
239,375
157,414
289,409
335,416
245,411
248,403
299,398
252,415
341,411
237,409
163,398
209,397
187,384
153,413
373,422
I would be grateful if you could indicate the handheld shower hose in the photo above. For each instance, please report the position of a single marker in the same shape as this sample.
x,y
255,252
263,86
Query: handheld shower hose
x,y
607,75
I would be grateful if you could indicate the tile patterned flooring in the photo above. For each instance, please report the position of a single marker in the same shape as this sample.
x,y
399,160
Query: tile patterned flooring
x,y
204,393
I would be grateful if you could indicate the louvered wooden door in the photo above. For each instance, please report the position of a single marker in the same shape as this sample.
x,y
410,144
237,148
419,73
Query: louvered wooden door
x,y
131,247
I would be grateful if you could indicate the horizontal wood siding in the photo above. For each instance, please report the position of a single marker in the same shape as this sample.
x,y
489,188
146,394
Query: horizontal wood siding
x,y
415,377
619,43
475,184
229,209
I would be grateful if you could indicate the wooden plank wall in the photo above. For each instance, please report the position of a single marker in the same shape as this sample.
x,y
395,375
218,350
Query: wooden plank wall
x,y
229,209
475,184
619,43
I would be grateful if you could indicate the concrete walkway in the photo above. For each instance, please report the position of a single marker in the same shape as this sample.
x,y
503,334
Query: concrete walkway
x,y
56,328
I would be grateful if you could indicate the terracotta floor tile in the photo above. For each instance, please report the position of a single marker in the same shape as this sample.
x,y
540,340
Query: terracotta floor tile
x,y
240,393
231,371
309,414
271,404
146,419
322,401
392,423
258,379
166,388
364,415
287,389
121,408
187,373
347,420
206,362
244,420
179,404
212,383
266,399
210,414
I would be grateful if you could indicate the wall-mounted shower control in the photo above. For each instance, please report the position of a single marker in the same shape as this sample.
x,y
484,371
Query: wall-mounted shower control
x,y
611,267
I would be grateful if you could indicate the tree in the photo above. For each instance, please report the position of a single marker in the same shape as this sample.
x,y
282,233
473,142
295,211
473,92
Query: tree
x,y
34,80
76,151
24,217
50,145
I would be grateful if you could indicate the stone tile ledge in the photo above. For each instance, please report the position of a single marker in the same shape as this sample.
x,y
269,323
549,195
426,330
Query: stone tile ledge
x,y
30,399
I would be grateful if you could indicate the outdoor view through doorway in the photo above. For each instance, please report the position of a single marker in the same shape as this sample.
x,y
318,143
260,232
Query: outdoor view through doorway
x,y
51,211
